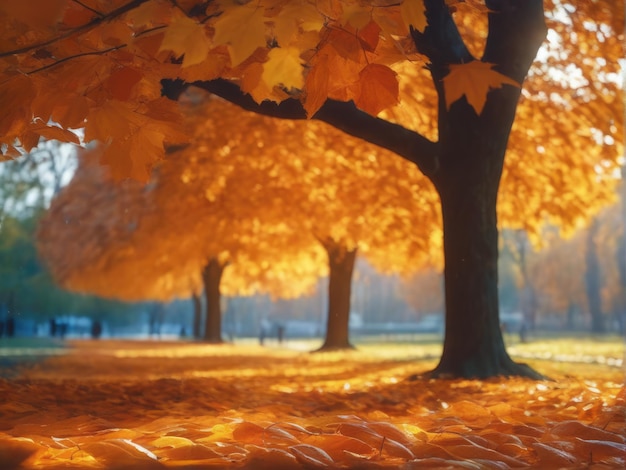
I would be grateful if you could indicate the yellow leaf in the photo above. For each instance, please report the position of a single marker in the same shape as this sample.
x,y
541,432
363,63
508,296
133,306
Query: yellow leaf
x,y
185,36
474,80
356,15
414,14
241,28
284,68
296,17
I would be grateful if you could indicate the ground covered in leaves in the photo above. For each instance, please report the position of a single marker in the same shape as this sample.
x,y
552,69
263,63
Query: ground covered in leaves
x,y
156,405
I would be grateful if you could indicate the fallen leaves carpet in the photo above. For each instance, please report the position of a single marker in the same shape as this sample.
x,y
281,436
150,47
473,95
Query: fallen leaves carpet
x,y
158,405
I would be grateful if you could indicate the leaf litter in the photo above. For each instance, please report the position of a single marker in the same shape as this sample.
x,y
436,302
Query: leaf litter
x,y
146,405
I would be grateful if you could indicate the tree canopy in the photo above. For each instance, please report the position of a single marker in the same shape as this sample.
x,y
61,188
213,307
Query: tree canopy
x,y
436,82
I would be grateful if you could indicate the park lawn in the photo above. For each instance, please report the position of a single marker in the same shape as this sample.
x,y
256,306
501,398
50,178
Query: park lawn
x,y
149,404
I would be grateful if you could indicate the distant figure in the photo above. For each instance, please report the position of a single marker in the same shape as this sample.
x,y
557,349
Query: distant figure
x,y
96,329
10,327
265,326
262,336
523,333
1,328
280,333
53,327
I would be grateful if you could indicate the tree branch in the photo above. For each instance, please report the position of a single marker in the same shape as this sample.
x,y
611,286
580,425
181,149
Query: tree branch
x,y
345,116
441,41
93,23
516,30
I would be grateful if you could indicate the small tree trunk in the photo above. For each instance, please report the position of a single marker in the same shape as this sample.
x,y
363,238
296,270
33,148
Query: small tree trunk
x,y
212,275
197,315
341,264
592,280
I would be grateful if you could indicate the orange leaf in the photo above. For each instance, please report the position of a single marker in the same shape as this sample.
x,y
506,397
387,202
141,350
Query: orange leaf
x,y
379,89
346,44
413,14
185,36
54,133
316,85
241,28
474,80
311,455
16,95
121,82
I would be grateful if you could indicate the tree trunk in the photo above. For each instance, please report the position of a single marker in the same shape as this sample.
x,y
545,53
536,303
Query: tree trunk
x,y
592,280
197,315
472,149
341,264
212,275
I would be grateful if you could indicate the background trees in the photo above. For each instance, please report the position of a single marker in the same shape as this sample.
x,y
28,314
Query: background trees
x,y
333,62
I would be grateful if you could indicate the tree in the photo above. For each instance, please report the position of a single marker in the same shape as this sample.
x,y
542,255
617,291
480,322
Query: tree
x,y
252,215
331,62
129,248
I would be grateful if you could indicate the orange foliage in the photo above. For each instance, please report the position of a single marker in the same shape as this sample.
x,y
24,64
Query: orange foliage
x,y
97,65
262,215
197,406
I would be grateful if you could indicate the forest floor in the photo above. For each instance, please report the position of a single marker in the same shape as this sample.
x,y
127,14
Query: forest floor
x,y
170,404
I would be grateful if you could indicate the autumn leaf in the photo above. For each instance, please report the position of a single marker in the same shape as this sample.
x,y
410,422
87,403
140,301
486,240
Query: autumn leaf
x,y
379,89
474,80
316,85
186,37
52,132
121,82
16,95
414,14
34,13
283,68
241,28
356,15
68,108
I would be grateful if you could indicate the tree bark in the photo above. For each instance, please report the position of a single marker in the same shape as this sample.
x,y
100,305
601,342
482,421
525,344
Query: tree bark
x,y
197,315
341,263
593,281
212,276
471,160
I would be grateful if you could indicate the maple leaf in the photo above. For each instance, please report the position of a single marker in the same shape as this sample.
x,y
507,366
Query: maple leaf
x,y
474,80
16,95
284,68
356,15
241,28
379,88
317,85
39,128
121,82
414,14
68,109
185,36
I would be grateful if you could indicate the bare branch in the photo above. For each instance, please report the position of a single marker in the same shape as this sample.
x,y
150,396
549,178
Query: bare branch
x,y
92,24
65,59
87,7
345,116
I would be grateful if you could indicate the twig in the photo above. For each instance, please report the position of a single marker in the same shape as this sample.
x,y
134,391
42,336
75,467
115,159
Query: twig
x,y
95,22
